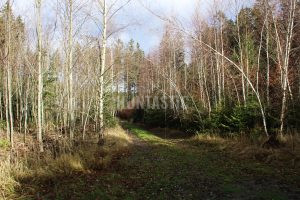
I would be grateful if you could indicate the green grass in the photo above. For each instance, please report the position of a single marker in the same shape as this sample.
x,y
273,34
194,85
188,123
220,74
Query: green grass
x,y
143,134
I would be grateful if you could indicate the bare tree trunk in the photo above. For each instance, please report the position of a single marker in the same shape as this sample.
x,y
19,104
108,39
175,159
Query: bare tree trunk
x,y
218,70
206,92
241,60
21,110
26,110
102,69
9,74
7,111
259,53
70,69
86,119
222,62
268,57
40,76
289,37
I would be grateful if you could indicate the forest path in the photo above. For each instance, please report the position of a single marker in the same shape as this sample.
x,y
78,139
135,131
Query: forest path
x,y
161,167
157,168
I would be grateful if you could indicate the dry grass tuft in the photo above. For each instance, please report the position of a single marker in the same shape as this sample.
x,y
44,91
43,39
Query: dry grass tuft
x,y
210,138
246,148
117,139
66,164
31,167
7,181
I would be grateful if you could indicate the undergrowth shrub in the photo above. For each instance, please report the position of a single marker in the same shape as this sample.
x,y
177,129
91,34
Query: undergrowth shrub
x,y
226,118
293,116
192,122
231,118
161,118
110,121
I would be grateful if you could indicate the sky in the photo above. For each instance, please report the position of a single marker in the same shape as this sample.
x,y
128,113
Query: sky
x,y
144,27
150,29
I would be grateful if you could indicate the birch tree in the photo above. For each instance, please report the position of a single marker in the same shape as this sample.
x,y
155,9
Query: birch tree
x,y
103,6
286,60
70,68
10,118
108,11
40,74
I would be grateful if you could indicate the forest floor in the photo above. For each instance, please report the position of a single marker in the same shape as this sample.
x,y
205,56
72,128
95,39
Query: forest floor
x,y
160,166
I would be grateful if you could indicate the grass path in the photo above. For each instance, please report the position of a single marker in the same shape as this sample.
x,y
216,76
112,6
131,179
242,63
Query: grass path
x,y
156,168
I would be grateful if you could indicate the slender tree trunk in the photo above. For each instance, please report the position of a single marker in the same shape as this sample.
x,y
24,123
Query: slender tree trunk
x,y
206,91
7,111
9,73
241,60
21,112
102,70
70,70
40,76
26,110
218,70
86,119
289,37
268,59
222,62
259,54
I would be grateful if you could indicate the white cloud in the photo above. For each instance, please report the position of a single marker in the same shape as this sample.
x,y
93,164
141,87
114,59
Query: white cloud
x,y
149,30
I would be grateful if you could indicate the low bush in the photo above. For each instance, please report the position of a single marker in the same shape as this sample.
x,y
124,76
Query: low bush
x,y
236,119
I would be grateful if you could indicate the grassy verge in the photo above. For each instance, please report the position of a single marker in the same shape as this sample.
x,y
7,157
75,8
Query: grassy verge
x,y
33,176
241,147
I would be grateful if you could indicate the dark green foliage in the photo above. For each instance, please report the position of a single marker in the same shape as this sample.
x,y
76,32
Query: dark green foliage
x,y
160,118
188,122
110,120
49,93
293,116
235,118
191,122
224,119
273,120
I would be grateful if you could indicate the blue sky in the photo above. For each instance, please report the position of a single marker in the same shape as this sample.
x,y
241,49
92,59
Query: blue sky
x,y
144,27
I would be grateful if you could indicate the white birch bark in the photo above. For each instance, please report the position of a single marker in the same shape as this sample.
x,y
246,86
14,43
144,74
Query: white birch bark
x,y
102,68
40,75
288,43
